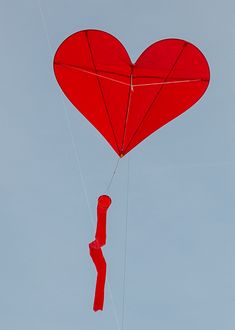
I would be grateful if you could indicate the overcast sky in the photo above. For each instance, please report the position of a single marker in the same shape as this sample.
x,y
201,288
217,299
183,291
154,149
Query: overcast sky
x,y
180,271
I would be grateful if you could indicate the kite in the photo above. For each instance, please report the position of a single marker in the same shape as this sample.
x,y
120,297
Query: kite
x,y
126,102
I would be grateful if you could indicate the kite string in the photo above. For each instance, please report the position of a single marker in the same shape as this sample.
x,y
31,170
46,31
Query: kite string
x,y
125,242
112,177
76,153
77,157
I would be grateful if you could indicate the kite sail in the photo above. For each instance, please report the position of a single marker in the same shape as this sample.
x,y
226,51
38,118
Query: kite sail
x,y
126,102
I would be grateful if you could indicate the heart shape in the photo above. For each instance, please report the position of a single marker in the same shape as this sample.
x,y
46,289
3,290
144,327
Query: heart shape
x,y
127,102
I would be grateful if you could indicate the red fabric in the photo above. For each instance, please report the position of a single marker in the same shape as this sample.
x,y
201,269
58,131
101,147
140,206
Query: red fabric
x,y
123,115
96,254
100,264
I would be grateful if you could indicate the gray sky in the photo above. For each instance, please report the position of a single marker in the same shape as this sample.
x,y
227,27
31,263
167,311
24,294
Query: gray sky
x,y
180,251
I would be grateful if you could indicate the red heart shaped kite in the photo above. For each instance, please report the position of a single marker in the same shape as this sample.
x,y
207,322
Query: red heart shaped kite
x,y
127,102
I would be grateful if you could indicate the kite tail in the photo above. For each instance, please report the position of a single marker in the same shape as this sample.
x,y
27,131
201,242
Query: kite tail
x,y
96,254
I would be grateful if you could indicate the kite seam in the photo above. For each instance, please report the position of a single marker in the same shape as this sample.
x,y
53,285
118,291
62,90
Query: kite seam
x,y
102,94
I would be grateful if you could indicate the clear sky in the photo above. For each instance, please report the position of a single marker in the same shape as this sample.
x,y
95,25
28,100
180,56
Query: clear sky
x,y
180,271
